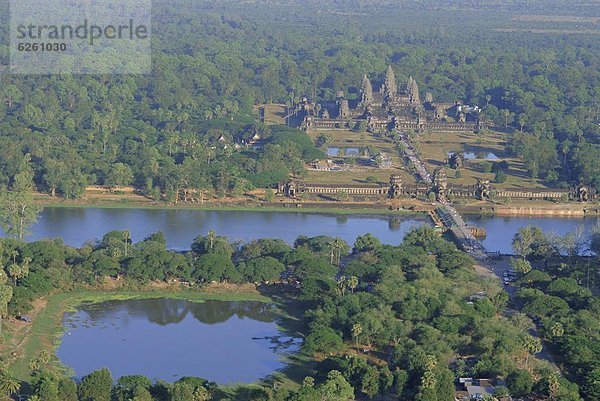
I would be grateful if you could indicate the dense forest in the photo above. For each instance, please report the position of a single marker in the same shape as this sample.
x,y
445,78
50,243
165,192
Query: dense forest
x,y
187,125
378,321
420,308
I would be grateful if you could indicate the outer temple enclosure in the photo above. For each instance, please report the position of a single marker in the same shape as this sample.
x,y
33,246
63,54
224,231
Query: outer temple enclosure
x,y
396,110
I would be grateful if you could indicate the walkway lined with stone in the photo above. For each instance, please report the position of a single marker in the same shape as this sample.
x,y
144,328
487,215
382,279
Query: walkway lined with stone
x,y
447,213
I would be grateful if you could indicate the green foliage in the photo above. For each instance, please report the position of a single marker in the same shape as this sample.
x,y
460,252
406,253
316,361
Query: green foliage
x,y
215,267
519,383
412,299
263,269
97,386
500,177
17,209
323,340
531,242
485,167
366,243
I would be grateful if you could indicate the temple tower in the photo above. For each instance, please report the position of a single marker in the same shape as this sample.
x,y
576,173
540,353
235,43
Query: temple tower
x,y
367,91
391,88
412,90
343,108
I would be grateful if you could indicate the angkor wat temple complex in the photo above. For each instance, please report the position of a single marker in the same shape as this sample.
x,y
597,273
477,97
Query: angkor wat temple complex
x,y
392,107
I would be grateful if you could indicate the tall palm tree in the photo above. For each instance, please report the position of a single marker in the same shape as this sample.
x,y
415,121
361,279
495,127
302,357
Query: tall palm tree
x,y
336,251
211,238
126,239
533,345
357,330
352,283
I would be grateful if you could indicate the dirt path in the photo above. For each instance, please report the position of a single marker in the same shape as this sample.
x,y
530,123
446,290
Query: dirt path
x,y
19,332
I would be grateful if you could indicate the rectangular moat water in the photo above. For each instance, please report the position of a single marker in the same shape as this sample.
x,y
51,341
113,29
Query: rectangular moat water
x,y
75,226
224,342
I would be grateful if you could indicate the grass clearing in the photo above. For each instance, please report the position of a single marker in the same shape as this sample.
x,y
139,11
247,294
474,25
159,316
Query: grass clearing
x,y
434,149
356,177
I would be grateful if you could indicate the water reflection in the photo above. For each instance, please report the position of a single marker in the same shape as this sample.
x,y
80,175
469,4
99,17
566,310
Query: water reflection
x,y
164,311
501,230
78,225
167,339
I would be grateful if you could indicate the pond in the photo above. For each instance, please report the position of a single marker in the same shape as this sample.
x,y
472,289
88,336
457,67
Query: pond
x,y
224,342
352,152
78,225
477,155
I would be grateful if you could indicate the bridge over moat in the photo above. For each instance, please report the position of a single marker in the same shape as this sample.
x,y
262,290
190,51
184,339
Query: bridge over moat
x,y
446,213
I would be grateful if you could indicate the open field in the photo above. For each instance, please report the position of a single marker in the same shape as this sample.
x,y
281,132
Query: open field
x,y
356,177
274,113
434,149
348,138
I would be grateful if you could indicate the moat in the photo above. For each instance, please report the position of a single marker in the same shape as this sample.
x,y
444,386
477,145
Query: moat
x,y
76,226
166,339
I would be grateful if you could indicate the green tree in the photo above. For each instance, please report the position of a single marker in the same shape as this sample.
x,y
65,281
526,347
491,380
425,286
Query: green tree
x,y
17,209
97,386
533,345
67,390
521,265
335,388
365,243
119,175
324,340
6,294
591,385
500,177
519,383
356,332
369,381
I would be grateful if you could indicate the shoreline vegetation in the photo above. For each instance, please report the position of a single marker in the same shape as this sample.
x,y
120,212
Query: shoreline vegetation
x,y
371,315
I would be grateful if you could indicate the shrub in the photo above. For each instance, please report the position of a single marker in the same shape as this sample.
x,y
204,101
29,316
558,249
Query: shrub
x,y
486,167
500,177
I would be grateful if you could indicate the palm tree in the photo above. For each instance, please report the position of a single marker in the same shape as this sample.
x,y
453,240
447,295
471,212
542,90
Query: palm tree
x,y
34,365
352,283
554,385
533,345
211,238
557,329
342,284
356,332
126,239
506,113
336,251
8,384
